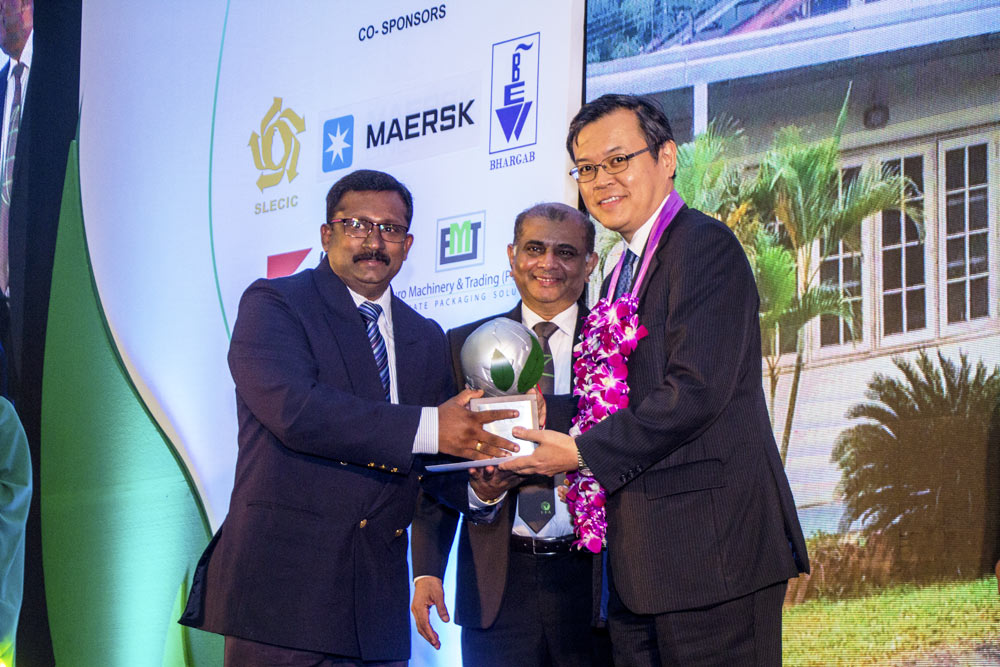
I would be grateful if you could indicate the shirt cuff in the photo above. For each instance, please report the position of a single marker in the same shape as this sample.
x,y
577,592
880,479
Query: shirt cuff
x,y
426,439
482,511
477,503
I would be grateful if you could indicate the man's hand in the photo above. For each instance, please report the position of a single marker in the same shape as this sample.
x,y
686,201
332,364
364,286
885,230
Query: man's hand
x,y
489,482
461,433
428,592
556,452
539,405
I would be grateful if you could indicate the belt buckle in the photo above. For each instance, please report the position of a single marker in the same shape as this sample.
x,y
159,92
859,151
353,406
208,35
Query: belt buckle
x,y
550,547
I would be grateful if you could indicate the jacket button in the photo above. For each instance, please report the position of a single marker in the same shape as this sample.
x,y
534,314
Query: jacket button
x,y
399,531
394,470
371,465
364,522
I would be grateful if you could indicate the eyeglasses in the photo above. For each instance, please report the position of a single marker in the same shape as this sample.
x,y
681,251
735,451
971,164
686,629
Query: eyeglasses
x,y
584,173
359,228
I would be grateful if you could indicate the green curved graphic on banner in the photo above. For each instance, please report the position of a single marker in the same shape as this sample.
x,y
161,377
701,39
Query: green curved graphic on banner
x,y
211,153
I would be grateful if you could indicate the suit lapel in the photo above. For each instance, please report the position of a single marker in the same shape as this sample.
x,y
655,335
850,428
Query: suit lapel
x,y
654,263
410,350
581,314
515,314
348,331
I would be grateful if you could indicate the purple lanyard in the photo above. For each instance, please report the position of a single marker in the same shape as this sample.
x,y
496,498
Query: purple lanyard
x,y
667,213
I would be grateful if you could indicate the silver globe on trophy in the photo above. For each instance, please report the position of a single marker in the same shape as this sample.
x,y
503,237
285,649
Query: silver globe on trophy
x,y
504,359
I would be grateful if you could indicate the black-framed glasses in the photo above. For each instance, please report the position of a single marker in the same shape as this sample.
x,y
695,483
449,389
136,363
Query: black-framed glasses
x,y
612,164
360,228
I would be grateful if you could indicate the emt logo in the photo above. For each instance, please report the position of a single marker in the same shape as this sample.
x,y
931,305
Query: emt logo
x,y
460,240
514,93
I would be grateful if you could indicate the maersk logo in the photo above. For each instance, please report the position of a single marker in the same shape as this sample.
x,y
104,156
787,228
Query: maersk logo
x,y
420,123
514,93
460,240
338,143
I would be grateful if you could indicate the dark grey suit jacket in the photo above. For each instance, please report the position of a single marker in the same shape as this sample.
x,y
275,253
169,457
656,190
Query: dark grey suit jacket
x,y
483,548
699,508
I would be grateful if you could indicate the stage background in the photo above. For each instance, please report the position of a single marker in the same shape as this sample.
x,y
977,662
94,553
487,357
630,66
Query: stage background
x,y
209,133
890,429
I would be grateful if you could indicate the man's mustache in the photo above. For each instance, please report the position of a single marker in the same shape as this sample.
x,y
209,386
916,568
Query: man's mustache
x,y
374,254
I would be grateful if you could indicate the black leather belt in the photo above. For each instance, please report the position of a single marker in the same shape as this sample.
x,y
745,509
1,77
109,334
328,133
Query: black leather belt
x,y
541,546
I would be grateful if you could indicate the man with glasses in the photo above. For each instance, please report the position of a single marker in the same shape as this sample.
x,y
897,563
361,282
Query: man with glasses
x,y
702,533
524,594
336,386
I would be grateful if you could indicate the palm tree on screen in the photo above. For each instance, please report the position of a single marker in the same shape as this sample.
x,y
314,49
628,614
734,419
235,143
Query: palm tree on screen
x,y
800,186
915,469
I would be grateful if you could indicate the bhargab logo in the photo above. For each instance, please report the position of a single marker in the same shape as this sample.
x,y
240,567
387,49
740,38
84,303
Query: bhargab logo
x,y
514,93
284,125
460,240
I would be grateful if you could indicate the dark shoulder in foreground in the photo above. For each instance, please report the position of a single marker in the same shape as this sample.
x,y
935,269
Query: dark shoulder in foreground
x,y
691,223
462,332
404,316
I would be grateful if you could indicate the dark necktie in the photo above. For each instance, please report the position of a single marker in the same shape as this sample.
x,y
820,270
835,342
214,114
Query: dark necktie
x,y
624,283
536,500
8,179
370,313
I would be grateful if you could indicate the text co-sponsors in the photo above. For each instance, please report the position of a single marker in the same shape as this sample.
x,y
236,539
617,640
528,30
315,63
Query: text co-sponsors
x,y
402,22
276,204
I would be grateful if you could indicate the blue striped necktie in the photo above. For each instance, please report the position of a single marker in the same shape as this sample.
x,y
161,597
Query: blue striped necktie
x,y
370,313
625,277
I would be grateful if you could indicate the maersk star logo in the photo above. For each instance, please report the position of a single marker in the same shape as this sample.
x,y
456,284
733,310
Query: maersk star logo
x,y
338,143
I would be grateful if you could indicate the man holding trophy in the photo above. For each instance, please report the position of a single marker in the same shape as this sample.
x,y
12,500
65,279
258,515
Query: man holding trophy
x,y
525,596
672,458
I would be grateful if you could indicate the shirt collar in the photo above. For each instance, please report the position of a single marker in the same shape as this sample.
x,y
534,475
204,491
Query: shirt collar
x,y
641,236
385,301
566,320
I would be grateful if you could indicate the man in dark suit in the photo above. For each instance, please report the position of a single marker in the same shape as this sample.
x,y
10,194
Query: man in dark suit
x,y
336,379
702,530
524,594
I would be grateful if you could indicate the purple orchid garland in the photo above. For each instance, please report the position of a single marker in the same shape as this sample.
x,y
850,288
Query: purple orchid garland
x,y
610,334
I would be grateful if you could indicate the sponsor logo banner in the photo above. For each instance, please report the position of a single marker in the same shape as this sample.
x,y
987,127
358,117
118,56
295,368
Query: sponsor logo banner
x,y
461,241
416,124
338,143
514,93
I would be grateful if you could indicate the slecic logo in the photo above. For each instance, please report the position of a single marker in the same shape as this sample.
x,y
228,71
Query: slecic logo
x,y
460,240
514,93
276,149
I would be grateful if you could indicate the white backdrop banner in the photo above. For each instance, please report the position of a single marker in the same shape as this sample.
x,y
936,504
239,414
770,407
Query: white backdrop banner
x,y
210,133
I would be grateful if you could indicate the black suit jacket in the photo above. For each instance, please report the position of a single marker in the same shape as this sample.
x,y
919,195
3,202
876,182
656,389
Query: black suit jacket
x,y
483,548
699,508
312,554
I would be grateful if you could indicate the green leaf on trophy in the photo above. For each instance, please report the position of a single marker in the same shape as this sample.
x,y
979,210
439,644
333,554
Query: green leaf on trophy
x,y
501,371
534,366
